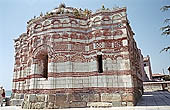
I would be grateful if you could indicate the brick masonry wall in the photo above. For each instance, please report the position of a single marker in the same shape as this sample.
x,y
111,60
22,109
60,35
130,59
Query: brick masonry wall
x,y
72,46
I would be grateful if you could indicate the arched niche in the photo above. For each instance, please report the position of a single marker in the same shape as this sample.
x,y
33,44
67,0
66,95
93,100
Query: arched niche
x,y
96,20
65,23
41,48
74,23
37,26
42,63
56,23
41,56
116,18
106,20
46,23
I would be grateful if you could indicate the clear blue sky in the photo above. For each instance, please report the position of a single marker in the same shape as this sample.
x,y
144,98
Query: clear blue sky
x,y
144,15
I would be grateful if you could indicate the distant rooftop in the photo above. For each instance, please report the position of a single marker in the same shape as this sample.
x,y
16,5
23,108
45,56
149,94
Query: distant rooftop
x,y
157,74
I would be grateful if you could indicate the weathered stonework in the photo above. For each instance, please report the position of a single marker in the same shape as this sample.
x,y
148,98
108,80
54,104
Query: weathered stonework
x,y
70,59
156,86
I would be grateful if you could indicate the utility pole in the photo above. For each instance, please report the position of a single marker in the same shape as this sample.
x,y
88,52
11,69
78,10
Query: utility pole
x,y
163,71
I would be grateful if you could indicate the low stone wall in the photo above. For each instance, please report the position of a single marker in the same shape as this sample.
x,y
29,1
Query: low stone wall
x,y
16,99
156,86
69,100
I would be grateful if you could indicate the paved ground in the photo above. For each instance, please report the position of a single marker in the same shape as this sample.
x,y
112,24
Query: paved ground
x,y
114,108
159,100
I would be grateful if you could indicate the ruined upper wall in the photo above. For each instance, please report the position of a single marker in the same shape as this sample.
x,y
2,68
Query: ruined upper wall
x,y
79,20
75,30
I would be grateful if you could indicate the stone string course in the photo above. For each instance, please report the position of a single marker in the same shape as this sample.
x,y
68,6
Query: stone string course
x,y
66,48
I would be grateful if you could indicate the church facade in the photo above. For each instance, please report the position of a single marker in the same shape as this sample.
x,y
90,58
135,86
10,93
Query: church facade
x,y
75,58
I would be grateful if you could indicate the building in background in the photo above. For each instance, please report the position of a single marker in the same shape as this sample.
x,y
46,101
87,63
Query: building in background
x,y
75,58
147,67
158,77
144,75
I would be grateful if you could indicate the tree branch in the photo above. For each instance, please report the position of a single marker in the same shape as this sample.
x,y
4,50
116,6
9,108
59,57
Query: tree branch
x,y
165,49
165,8
166,30
167,21
165,27
166,33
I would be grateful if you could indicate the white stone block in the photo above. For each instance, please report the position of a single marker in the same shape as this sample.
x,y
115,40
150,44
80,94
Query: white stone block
x,y
125,42
86,48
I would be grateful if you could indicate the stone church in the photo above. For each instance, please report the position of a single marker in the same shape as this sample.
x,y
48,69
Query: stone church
x,y
71,57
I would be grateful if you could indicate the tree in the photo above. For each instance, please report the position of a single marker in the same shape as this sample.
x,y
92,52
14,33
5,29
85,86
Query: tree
x,y
87,12
166,29
76,13
166,78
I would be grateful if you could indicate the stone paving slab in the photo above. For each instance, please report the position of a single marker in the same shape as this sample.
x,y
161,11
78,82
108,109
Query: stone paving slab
x,y
158,98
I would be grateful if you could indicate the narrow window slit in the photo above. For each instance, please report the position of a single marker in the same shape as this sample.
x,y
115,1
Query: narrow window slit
x,y
45,67
100,65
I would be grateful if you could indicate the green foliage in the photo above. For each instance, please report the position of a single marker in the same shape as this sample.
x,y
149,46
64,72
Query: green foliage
x,y
62,5
41,14
167,77
166,29
67,11
103,8
165,8
76,13
87,12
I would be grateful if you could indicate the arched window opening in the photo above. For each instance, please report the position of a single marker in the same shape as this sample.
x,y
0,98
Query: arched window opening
x,y
42,67
45,66
100,64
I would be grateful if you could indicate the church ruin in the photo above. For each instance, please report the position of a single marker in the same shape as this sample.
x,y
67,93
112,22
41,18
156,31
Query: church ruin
x,y
76,58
